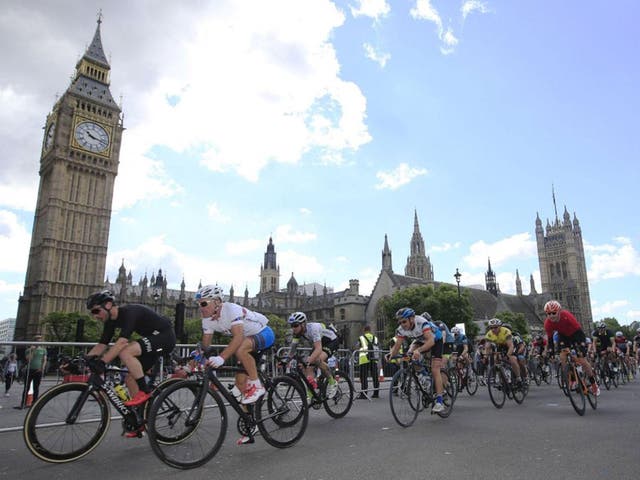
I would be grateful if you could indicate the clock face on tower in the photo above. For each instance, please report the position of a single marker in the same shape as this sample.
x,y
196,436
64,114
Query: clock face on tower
x,y
48,136
92,136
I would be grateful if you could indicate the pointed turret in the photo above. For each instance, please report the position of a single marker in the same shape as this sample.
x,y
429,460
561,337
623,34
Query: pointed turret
x,y
490,280
386,256
532,286
518,284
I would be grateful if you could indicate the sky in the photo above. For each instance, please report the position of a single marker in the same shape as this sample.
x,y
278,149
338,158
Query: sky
x,y
326,124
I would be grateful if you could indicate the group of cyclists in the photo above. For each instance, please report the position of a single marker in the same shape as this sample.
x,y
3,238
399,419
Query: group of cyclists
x,y
416,335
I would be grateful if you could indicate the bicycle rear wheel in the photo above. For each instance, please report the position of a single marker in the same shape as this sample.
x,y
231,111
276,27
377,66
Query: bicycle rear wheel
x,y
496,383
472,381
52,437
537,374
340,404
405,398
182,434
448,398
573,388
282,413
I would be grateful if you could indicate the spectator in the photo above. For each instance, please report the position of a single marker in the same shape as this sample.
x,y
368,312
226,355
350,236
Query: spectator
x,y
36,358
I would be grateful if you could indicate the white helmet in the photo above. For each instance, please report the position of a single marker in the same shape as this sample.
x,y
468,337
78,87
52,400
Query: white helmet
x,y
209,291
618,333
456,330
297,317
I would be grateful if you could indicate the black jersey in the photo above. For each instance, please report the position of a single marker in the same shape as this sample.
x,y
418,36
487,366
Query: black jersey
x,y
602,339
134,318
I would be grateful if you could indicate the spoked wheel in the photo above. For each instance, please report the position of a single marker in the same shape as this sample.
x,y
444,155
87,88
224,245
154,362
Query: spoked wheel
x,y
340,403
448,398
573,389
182,433
593,399
52,435
282,413
472,381
605,377
496,383
520,391
405,398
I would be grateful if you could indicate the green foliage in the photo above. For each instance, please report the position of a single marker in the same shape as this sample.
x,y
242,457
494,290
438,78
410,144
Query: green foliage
x,y
442,303
516,320
61,327
193,330
281,330
629,331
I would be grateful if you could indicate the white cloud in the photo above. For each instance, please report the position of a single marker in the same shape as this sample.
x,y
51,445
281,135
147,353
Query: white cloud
x,y
216,214
518,245
15,240
398,177
284,234
471,6
608,309
613,261
305,211
445,247
371,53
243,247
633,315
375,9
306,268
425,11
450,42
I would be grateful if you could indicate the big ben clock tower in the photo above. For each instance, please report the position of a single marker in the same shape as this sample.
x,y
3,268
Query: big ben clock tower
x,y
78,167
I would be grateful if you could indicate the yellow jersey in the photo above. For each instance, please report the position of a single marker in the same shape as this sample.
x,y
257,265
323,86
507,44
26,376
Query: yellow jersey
x,y
500,338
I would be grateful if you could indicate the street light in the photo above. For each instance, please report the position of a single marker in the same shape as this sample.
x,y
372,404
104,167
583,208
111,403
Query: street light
x,y
457,276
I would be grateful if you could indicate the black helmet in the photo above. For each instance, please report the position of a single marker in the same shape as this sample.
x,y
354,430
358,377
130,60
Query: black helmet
x,y
99,298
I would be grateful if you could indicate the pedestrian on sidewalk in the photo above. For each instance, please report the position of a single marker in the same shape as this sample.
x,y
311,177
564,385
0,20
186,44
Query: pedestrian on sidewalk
x,y
36,358
10,372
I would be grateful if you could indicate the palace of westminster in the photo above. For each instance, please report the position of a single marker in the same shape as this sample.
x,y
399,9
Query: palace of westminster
x,y
67,258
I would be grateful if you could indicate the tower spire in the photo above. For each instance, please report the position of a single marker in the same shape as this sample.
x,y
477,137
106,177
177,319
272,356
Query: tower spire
x,y
555,208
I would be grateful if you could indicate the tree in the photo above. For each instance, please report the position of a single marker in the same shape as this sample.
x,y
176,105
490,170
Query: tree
x,y
442,303
516,320
62,327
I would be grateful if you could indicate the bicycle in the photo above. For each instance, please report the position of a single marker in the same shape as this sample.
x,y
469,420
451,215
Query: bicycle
x,y
411,391
338,405
70,420
198,416
574,385
500,381
542,371
466,378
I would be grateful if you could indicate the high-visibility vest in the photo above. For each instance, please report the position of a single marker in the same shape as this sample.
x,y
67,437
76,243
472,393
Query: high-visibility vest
x,y
364,347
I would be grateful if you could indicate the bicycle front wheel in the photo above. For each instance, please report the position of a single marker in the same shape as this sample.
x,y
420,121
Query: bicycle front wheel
x,y
405,398
51,433
183,433
282,413
339,404
497,385
573,389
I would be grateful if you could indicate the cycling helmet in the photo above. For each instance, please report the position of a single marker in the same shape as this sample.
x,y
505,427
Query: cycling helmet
x,y
619,333
296,318
456,330
426,316
99,298
552,306
209,291
507,325
495,322
603,325
587,340
405,312
638,330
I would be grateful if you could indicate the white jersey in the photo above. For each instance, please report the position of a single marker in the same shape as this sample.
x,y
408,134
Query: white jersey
x,y
233,314
314,332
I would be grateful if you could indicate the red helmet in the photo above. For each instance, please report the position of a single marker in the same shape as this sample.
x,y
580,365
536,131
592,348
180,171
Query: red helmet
x,y
552,306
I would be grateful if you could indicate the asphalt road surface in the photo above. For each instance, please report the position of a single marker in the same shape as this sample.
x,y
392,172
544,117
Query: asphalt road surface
x,y
541,439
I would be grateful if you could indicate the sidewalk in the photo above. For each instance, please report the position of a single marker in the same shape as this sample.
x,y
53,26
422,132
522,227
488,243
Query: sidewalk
x,y
11,418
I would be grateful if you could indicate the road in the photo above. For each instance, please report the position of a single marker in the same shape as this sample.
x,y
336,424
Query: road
x,y
543,438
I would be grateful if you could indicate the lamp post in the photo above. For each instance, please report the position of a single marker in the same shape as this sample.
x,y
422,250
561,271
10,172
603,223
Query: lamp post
x,y
457,276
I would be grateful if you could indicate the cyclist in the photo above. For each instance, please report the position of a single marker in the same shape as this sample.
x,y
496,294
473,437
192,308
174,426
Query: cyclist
x,y
426,336
538,346
520,351
602,342
157,339
461,344
570,334
250,335
636,345
324,341
502,337
621,347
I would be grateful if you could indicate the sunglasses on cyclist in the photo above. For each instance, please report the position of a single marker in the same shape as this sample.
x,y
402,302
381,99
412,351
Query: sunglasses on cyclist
x,y
95,311
295,325
204,303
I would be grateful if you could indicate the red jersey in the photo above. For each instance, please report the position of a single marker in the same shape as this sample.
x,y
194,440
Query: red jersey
x,y
566,325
